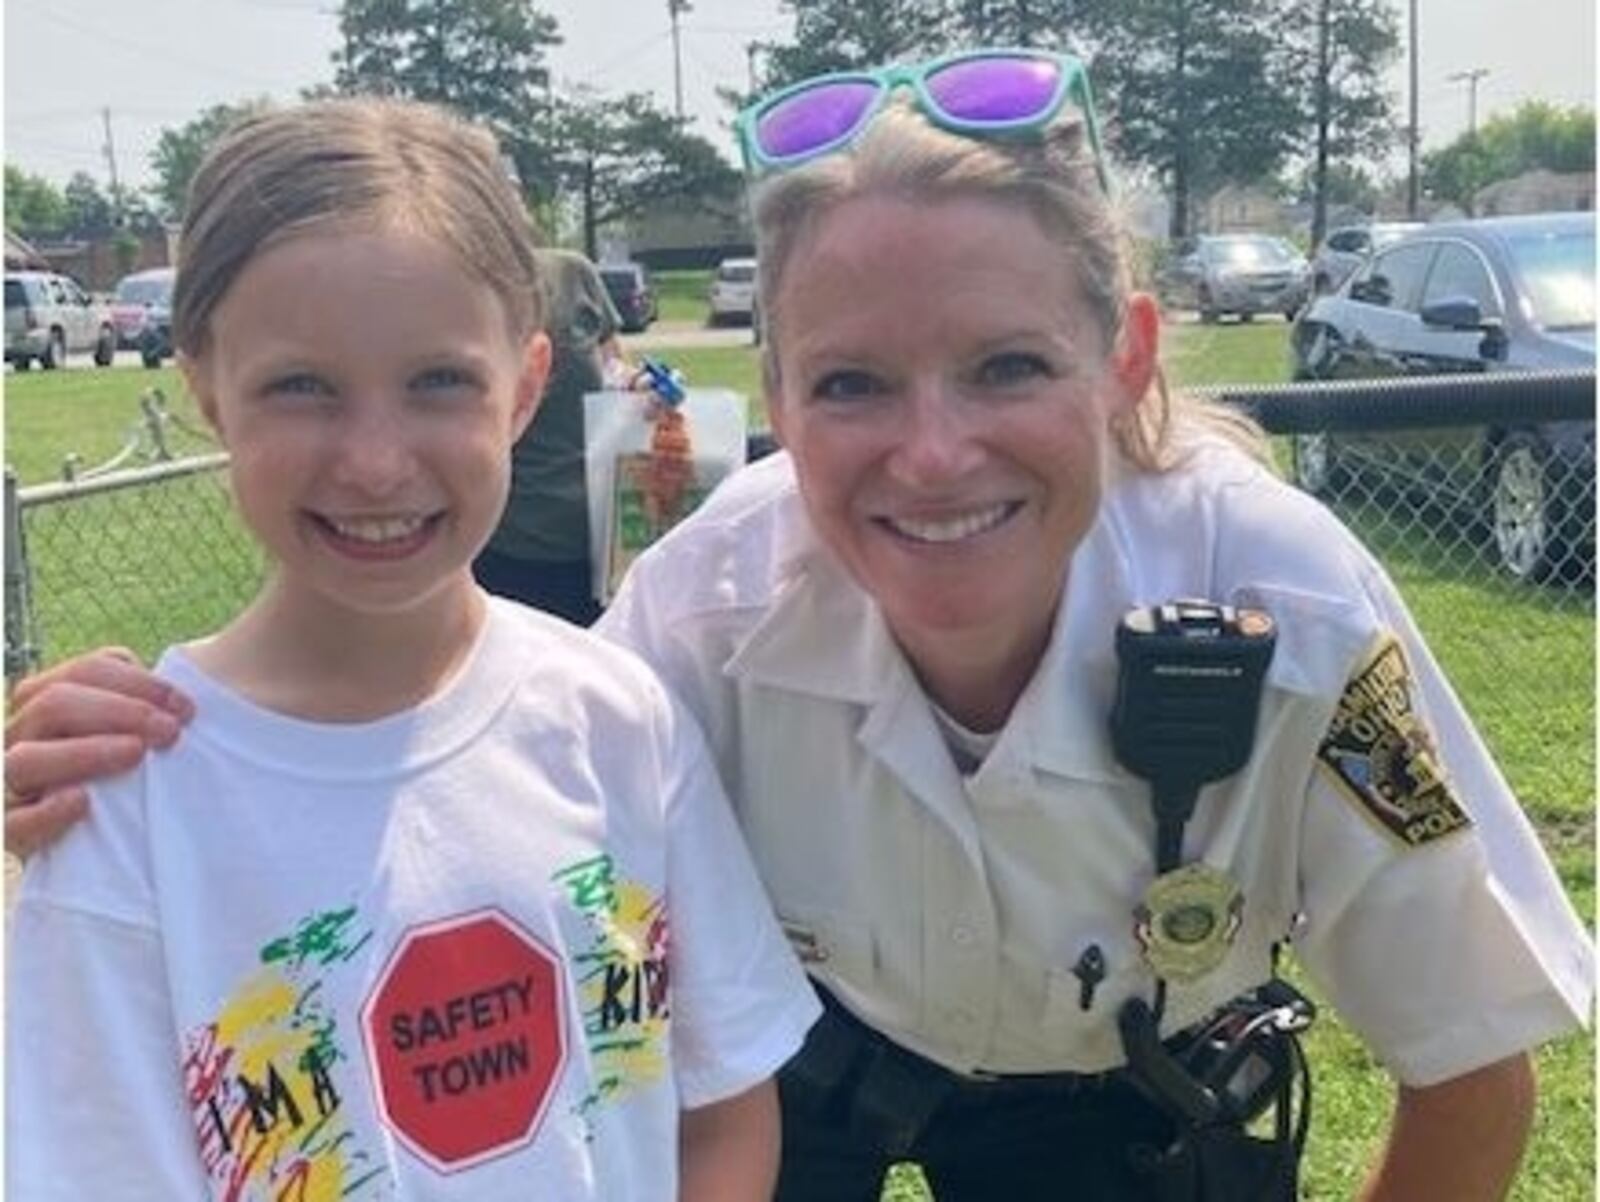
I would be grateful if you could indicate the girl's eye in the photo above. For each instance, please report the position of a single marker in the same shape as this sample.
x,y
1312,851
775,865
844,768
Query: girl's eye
x,y
1012,367
847,385
443,377
298,384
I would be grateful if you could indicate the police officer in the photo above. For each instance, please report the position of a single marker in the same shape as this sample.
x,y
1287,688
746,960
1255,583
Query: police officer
x,y
900,638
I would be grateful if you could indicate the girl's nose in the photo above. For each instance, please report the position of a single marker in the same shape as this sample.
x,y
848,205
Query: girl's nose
x,y
375,454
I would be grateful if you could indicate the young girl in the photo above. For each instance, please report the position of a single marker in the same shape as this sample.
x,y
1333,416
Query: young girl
x,y
440,897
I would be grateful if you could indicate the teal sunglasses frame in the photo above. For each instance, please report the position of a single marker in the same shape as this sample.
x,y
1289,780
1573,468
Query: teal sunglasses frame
x,y
1073,83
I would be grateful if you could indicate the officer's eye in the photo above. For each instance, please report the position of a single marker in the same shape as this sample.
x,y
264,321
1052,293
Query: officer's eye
x,y
1013,367
850,384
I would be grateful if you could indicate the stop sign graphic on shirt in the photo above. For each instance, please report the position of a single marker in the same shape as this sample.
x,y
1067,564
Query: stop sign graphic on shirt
x,y
465,1036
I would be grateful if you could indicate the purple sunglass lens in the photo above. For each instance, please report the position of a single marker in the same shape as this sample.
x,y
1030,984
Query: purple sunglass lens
x,y
994,89
814,118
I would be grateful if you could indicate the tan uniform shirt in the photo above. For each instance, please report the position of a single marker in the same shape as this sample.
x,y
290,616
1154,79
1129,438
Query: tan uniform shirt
x,y
948,912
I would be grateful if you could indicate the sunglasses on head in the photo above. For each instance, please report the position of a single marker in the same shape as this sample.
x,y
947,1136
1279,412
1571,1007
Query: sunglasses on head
x,y
980,93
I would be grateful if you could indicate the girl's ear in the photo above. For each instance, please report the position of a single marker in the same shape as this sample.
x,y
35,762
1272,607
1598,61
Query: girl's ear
x,y
198,377
531,382
1134,357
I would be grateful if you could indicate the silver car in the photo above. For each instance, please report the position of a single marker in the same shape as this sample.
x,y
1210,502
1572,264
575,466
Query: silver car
x,y
1244,274
1345,248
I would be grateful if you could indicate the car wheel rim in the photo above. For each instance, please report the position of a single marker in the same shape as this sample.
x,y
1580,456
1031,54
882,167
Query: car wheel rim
x,y
1311,461
1520,529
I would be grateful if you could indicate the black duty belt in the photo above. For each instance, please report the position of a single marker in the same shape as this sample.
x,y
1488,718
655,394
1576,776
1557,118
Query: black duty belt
x,y
890,1093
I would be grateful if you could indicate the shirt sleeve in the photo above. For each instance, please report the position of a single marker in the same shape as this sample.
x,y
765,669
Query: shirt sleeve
x,y
95,1104
1434,920
741,1004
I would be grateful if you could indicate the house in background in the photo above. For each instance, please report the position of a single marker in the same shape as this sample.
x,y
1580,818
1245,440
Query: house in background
x,y
1242,209
1537,191
97,263
21,256
681,235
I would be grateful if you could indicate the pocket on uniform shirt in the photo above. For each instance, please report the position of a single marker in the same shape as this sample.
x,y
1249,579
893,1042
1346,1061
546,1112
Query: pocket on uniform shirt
x,y
831,943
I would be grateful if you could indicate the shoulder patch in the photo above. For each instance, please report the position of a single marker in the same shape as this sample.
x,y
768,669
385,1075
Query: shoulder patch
x,y
1382,756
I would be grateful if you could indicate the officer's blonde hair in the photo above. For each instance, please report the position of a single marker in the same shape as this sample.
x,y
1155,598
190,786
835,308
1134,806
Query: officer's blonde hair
x,y
364,160
1051,174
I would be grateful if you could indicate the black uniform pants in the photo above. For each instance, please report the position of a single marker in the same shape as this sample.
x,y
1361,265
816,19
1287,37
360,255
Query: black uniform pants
x,y
1037,1139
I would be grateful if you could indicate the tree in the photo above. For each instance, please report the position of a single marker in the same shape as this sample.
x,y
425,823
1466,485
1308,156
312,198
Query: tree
x,y
1201,91
483,58
1343,49
178,151
1055,24
619,157
90,213
35,207
838,35
1535,135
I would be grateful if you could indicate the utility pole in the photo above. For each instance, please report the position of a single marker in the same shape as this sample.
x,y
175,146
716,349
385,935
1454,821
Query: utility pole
x,y
1319,185
750,49
1471,77
1413,135
674,7
111,164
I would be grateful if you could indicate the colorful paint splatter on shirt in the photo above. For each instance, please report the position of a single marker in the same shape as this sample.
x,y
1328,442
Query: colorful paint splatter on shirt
x,y
261,1079
622,984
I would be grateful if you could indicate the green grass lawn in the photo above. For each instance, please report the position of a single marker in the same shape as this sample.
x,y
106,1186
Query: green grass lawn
x,y
1522,660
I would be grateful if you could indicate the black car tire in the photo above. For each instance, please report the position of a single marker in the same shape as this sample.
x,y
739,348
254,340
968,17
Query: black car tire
x,y
55,351
1208,315
105,349
1523,515
1316,462
23,362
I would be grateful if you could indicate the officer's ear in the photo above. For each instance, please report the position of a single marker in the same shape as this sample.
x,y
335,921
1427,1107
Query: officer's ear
x,y
1134,355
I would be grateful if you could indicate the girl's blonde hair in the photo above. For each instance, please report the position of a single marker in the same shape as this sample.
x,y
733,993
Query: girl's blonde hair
x,y
1051,174
390,162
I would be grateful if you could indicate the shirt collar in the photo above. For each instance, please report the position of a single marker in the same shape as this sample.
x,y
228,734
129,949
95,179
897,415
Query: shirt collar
x,y
824,636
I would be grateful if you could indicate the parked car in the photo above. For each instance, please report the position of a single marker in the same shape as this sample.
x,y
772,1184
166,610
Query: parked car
x,y
48,317
1498,294
629,287
1345,248
733,291
1244,274
141,308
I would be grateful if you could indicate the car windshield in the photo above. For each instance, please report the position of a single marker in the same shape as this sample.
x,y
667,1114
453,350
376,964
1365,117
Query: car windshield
x,y
146,291
1558,278
1249,252
1387,235
736,273
620,277
16,297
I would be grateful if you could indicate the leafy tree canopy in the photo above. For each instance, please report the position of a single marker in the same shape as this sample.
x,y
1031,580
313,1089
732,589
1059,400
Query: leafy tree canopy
x,y
1534,135
35,207
178,151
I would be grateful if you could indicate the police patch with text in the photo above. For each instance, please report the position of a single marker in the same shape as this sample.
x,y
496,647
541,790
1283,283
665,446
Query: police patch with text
x,y
1382,756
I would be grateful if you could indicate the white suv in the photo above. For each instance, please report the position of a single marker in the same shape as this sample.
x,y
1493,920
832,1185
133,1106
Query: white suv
x,y
48,317
733,291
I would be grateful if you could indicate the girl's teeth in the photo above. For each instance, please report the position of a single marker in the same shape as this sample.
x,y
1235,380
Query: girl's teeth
x,y
951,529
381,530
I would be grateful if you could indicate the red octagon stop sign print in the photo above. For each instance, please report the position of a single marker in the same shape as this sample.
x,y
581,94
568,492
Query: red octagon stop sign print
x,y
465,1036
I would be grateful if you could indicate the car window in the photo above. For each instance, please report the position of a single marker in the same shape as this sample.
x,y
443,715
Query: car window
x,y
1347,242
1458,271
143,290
736,273
1557,271
1248,252
16,295
1394,278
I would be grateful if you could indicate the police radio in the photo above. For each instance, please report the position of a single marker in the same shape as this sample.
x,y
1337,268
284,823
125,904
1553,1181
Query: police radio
x,y
1188,696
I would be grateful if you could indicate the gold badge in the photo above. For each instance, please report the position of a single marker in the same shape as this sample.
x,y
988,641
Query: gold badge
x,y
1188,920
1381,755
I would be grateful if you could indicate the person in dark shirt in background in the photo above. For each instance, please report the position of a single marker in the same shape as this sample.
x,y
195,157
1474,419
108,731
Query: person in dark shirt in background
x,y
539,554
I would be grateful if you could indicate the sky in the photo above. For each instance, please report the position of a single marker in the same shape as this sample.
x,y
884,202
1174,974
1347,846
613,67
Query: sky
x,y
156,63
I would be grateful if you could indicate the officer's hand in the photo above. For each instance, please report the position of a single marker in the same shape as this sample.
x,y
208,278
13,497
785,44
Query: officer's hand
x,y
81,720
